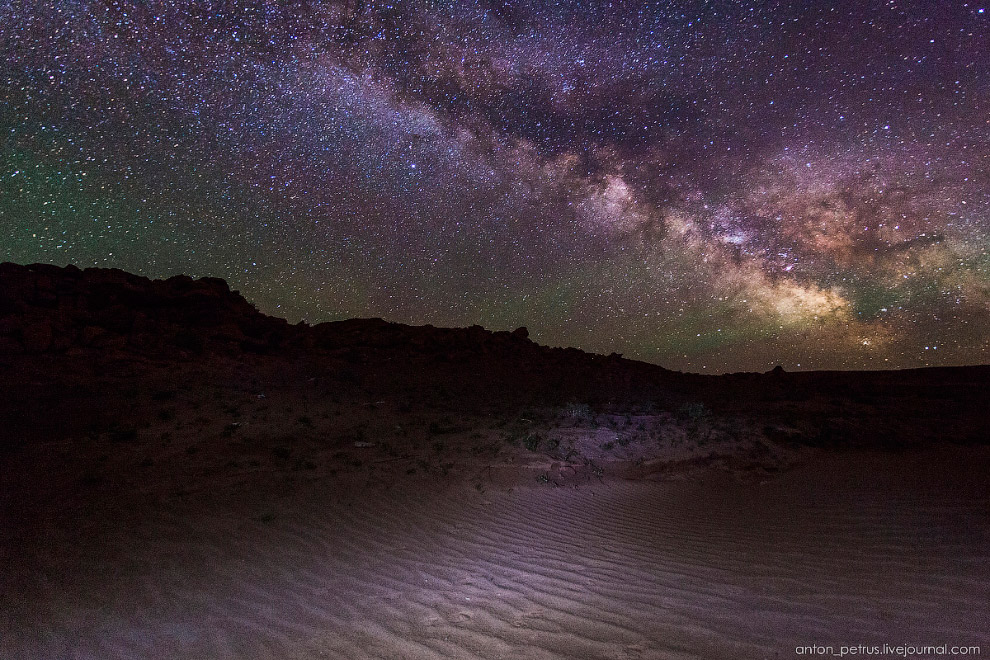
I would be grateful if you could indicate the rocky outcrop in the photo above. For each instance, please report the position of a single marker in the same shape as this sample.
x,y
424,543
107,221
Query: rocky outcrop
x,y
47,309
68,330
99,315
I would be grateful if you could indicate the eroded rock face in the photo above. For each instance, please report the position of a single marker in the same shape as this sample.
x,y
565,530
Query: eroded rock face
x,y
66,331
48,309
100,315
45,308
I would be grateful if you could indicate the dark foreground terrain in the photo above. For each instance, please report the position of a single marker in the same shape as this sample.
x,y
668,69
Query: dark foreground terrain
x,y
182,476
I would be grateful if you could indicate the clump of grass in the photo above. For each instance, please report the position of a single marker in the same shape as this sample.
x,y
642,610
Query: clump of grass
x,y
694,411
579,411
532,441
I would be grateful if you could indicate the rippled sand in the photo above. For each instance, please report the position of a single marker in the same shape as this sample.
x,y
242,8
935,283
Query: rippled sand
x,y
856,549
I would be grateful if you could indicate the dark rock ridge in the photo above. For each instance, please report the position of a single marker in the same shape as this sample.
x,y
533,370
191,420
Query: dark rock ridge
x,y
66,332
104,314
49,309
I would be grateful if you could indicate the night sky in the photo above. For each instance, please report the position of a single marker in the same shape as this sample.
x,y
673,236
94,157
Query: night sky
x,y
710,186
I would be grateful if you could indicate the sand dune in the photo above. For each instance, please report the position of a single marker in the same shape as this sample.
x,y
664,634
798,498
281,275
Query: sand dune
x,y
699,566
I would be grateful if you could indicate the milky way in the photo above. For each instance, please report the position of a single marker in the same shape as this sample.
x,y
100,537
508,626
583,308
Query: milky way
x,y
711,186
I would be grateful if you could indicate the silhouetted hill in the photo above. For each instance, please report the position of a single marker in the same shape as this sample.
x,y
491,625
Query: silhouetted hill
x,y
46,309
67,335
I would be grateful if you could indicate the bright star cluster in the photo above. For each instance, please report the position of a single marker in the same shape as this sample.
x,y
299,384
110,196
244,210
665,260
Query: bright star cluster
x,y
709,185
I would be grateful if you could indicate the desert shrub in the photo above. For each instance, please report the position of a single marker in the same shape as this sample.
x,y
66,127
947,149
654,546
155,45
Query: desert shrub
x,y
532,441
693,411
581,411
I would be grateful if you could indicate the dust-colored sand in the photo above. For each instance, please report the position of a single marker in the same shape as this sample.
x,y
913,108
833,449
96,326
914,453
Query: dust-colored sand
x,y
854,549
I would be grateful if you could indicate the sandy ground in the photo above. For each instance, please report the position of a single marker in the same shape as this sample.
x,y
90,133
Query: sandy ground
x,y
852,548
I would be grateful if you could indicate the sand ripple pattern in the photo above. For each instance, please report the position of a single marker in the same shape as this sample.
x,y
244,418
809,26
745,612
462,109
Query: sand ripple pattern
x,y
694,569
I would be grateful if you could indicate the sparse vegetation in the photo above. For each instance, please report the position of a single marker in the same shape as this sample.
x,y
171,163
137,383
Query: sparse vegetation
x,y
578,411
532,441
693,411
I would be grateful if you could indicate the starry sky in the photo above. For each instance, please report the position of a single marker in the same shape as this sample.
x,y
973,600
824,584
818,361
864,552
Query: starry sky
x,y
710,185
